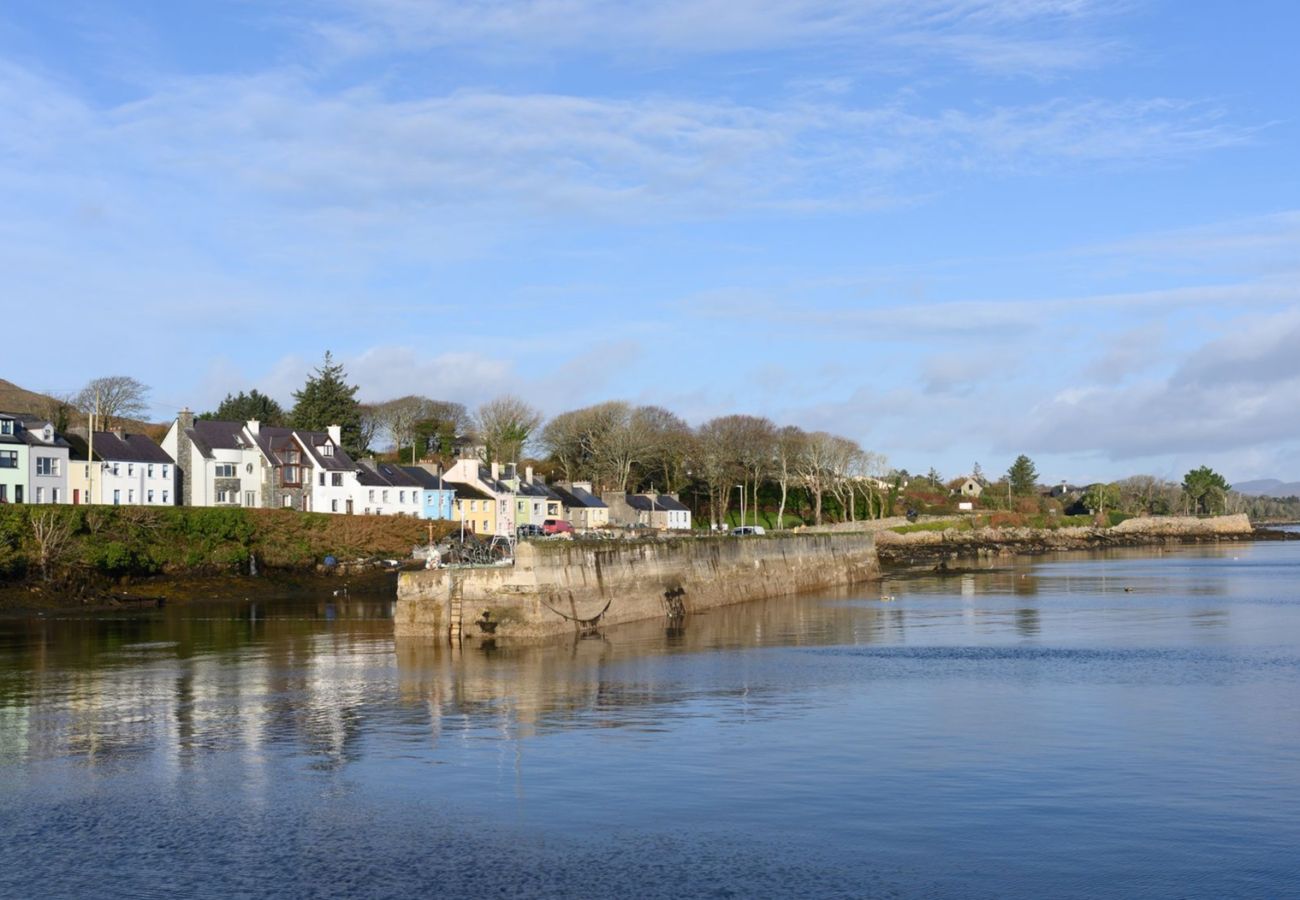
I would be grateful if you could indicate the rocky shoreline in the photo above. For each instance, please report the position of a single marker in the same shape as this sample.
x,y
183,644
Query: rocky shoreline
x,y
938,548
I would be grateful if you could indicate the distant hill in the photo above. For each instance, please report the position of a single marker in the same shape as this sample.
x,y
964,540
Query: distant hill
x,y
15,399
1268,487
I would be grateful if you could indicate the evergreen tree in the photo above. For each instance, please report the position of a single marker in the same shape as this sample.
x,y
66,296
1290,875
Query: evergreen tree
x,y
327,399
1207,490
243,407
1023,476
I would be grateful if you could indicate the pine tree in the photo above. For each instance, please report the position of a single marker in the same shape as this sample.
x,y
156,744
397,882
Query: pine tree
x,y
1023,476
327,399
253,405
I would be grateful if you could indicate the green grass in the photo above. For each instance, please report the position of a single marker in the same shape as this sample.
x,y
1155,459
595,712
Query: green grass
x,y
942,525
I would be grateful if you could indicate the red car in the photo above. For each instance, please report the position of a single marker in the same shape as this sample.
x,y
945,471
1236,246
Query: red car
x,y
556,526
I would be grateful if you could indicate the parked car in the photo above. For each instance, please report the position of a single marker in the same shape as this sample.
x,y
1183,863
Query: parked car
x,y
744,530
557,526
529,531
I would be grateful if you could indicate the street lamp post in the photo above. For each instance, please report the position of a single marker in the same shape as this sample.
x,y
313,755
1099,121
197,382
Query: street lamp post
x,y
741,488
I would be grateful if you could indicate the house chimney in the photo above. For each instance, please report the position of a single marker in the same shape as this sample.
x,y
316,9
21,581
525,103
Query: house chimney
x,y
184,458
336,433
528,474
254,427
496,470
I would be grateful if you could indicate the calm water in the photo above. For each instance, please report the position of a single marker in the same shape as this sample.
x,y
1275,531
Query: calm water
x,y
1126,725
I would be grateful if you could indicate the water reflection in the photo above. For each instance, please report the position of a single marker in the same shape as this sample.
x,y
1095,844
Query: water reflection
x,y
1051,715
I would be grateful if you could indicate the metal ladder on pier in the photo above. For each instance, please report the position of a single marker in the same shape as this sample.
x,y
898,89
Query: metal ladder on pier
x,y
456,605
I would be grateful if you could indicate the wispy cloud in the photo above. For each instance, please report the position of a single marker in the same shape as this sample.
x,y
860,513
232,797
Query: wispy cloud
x,y
1003,35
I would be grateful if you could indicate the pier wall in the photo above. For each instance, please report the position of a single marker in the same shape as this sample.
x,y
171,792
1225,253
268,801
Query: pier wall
x,y
559,587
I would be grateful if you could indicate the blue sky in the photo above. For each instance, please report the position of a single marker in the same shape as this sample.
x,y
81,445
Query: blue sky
x,y
954,230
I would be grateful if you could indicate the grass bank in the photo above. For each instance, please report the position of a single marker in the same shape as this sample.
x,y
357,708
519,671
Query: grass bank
x,y
76,551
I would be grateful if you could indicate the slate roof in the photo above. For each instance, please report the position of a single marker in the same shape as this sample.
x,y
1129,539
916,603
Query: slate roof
x,y
468,492
428,480
578,498
393,476
27,429
128,448
661,503
212,434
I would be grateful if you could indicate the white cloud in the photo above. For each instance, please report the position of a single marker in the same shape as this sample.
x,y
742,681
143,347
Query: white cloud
x,y
1005,35
1230,394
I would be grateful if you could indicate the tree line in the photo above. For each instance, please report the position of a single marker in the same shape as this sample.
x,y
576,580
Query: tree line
x,y
727,461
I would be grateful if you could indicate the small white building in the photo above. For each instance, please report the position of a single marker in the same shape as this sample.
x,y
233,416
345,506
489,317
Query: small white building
x,y
126,470
387,490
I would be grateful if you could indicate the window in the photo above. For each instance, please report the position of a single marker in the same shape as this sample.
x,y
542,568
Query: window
x,y
485,525
473,506
117,497
385,496
54,495
288,502
221,470
290,475
116,469
166,471
401,496
130,469
334,506
40,495
148,496
130,496
371,498
8,459
327,449
4,493
86,472
164,497
322,479
250,500
336,480
47,465
6,426
149,471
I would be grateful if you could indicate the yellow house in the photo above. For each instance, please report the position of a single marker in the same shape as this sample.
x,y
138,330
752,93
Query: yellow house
x,y
476,509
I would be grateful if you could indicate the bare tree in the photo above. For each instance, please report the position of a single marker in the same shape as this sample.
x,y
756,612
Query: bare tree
x,y
721,443
58,409
842,461
815,467
369,424
51,535
506,424
567,440
787,449
113,398
671,444
400,417
755,449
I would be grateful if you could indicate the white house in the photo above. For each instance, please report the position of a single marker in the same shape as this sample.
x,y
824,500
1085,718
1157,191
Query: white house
x,y
126,470
217,464
385,489
254,465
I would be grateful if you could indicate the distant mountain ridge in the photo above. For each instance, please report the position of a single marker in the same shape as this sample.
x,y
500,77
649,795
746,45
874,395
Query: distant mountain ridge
x,y
1268,487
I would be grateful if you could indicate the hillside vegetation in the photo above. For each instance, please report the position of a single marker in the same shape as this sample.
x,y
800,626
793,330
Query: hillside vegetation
x,y
81,544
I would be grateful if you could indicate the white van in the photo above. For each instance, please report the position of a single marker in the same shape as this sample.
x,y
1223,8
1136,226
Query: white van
x,y
747,529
